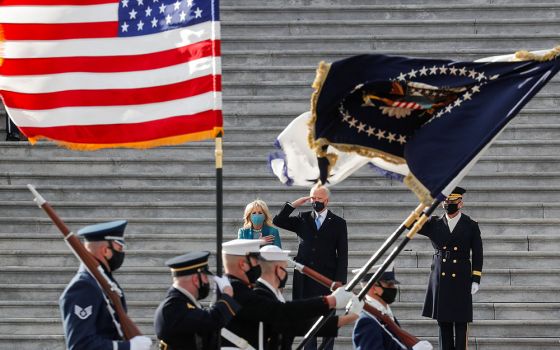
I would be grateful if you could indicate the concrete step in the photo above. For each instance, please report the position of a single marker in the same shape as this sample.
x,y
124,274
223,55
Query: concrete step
x,y
410,259
194,226
390,12
56,342
370,240
347,210
308,57
505,146
420,328
276,3
377,41
275,27
492,294
399,195
161,276
403,310
364,177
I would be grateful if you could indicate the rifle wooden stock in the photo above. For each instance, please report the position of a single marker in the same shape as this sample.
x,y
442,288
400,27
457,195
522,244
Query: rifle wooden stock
x,y
128,327
408,339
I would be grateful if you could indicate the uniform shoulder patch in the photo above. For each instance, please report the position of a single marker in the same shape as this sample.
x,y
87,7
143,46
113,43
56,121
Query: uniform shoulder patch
x,y
83,313
190,306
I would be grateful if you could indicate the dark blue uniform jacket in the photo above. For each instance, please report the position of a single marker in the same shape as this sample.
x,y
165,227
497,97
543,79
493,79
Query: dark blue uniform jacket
x,y
86,319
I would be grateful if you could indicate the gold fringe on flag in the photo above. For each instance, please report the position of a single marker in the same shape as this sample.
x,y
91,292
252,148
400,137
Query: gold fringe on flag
x,y
524,55
167,141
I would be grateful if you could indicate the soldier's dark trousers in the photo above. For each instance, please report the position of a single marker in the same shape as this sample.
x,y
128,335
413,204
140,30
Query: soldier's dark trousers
x,y
446,335
312,344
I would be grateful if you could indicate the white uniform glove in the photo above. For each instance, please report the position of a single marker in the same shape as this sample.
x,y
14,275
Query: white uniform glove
x,y
140,342
355,306
342,297
474,288
221,282
422,345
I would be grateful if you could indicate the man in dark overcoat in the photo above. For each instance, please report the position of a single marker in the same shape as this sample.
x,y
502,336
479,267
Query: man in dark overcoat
x,y
323,245
453,279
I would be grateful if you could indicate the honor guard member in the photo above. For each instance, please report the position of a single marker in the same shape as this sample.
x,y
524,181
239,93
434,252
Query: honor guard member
x,y
88,317
181,322
242,268
453,280
280,335
371,333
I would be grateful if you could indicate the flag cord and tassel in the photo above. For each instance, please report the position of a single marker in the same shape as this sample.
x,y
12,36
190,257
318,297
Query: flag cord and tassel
x,y
407,224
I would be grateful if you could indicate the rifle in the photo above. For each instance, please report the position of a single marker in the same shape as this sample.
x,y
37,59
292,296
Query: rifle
x,y
406,338
129,329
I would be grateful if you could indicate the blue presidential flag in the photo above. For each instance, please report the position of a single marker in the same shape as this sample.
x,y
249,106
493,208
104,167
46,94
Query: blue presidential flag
x,y
429,119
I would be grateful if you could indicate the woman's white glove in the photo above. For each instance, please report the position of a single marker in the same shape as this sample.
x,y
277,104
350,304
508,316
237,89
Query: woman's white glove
x,y
342,297
422,345
221,282
140,342
474,288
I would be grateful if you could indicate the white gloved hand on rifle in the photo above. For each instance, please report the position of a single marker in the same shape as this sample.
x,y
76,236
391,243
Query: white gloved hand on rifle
x,y
355,306
342,297
140,342
474,288
422,345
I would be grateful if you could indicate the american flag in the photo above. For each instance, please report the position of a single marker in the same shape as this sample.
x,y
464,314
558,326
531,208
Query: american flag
x,y
103,73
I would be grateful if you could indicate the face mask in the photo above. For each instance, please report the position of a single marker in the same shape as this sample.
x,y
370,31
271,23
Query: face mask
x,y
204,289
254,272
282,280
451,208
318,206
116,260
389,295
257,219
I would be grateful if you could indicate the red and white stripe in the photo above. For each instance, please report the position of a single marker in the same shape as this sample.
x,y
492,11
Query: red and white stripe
x,y
67,76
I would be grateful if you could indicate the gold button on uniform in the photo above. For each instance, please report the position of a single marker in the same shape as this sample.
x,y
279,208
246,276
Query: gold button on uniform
x,y
454,261
454,248
453,275
443,273
444,260
444,247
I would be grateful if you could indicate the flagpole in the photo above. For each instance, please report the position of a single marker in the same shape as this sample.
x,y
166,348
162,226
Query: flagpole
x,y
219,203
420,217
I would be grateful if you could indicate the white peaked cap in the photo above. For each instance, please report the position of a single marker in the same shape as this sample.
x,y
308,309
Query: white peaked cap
x,y
242,246
273,253
390,268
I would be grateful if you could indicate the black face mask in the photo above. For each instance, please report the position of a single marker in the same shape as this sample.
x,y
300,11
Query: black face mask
x,y
204,289
451,208
318,206
282,280
254,272
116,260
389,295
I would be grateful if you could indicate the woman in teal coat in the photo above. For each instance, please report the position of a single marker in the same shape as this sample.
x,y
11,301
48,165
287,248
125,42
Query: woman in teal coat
x,y
257,224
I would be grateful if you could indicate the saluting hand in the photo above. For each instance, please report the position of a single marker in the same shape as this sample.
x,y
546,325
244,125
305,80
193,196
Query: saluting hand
x,y
223,285
300,201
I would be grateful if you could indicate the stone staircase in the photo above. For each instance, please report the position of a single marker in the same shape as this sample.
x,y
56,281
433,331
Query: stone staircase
x,y
270,51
